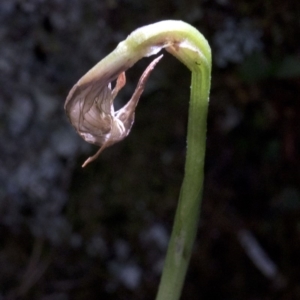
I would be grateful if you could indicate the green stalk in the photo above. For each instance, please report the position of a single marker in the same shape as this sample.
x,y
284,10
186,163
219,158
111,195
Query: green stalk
x,y
188,209
189,46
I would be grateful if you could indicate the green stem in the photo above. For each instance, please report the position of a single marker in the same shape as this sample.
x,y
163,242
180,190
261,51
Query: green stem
x,y
189,46
188,209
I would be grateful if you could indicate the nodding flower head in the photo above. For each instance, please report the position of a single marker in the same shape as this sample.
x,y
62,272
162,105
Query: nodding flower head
x,y
90,108
89,104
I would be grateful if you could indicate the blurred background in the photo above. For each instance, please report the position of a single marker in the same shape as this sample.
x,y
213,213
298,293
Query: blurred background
x,y
68,233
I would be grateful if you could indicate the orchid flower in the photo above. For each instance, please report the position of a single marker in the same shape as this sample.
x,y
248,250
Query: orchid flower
x,y
93,115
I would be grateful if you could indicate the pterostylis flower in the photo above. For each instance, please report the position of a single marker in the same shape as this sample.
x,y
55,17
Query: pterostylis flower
x,y
89,104
92,112
90,109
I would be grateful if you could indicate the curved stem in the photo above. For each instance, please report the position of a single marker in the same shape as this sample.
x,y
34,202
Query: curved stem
x,y
189,46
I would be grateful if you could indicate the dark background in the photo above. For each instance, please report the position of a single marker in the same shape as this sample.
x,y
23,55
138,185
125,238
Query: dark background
x,y
102,232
